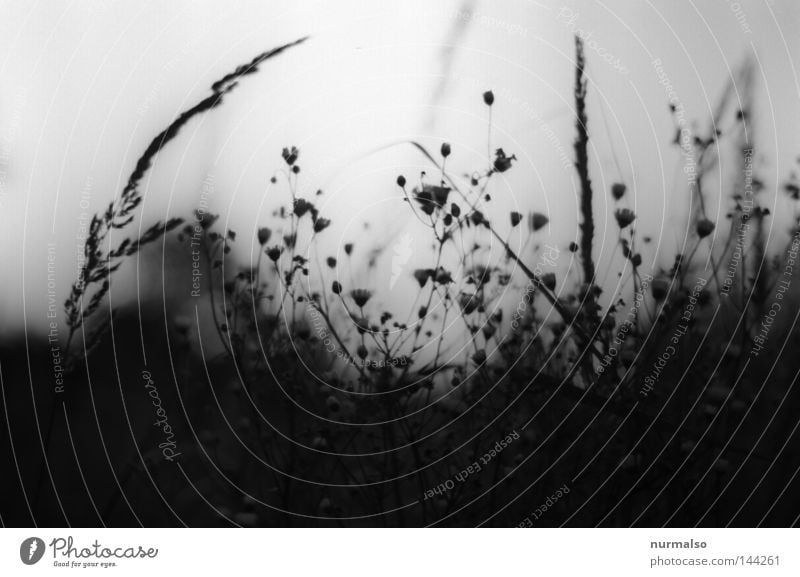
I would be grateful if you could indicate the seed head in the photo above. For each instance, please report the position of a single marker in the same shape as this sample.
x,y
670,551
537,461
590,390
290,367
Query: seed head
x,y
360,296
321,224
618,190
549,280
704,227
468,302
660,288
537,221
274,253
624,217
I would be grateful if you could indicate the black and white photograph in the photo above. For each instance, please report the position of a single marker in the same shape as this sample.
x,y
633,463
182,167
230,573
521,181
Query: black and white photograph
x,y
403,264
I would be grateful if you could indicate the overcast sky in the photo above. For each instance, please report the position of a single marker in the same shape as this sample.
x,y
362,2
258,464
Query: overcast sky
x,y
86,85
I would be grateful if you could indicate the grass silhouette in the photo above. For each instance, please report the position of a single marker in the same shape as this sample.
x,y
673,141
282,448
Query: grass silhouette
x,y
659,404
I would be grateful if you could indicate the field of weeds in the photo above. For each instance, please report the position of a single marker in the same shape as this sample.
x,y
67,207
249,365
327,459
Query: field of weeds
x,y
521,384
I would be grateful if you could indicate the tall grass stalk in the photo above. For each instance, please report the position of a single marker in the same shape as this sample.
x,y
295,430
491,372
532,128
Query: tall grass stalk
x,y
100,260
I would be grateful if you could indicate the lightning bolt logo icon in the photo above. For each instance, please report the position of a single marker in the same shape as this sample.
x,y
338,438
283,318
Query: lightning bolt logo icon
x,y
31,550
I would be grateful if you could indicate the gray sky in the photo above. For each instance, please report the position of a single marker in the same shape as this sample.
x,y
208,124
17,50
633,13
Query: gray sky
x,y
86,85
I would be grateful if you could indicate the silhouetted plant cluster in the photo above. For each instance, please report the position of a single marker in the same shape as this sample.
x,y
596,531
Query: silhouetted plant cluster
x,y
359,414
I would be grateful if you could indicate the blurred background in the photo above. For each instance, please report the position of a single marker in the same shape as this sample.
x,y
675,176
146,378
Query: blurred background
x,y
87,85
